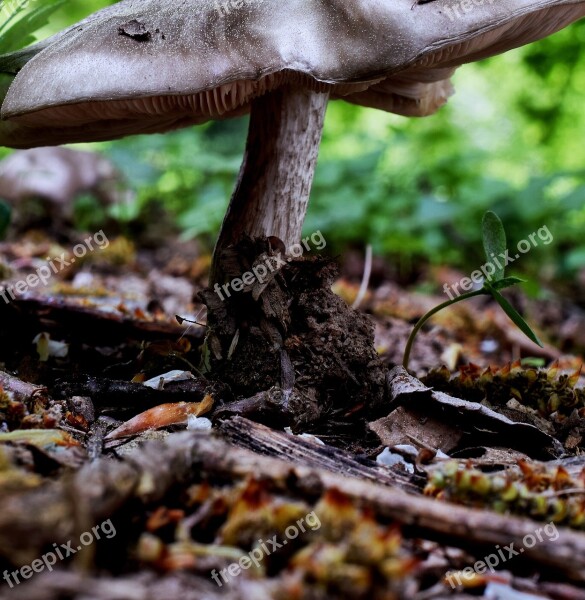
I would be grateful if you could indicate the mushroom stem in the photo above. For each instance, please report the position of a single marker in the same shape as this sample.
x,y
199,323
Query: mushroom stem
x,y
272,192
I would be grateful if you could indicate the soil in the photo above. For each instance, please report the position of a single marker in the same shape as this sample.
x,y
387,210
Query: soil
x,y
289,330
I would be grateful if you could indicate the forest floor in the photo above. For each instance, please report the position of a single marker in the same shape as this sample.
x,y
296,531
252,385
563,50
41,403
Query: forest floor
x,y
127,473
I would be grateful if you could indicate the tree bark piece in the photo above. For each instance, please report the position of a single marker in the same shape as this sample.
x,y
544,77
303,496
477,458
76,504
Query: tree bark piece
x,y
298,451
482,424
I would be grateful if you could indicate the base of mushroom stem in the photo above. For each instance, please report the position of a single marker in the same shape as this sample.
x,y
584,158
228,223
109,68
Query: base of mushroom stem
x,y
274,324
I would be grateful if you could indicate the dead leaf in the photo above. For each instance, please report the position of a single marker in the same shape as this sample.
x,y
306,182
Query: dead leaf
x,y
471,418
162,416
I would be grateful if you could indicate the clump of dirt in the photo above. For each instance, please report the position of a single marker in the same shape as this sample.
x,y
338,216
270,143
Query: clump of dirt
x,y
286,329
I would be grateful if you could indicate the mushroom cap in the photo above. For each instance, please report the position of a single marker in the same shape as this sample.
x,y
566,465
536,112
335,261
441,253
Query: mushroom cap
x,y
145,66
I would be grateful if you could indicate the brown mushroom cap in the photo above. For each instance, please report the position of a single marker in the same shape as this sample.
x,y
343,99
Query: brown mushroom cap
x,y
146,66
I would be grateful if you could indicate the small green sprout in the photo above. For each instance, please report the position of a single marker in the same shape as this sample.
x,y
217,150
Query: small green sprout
x,y
494,244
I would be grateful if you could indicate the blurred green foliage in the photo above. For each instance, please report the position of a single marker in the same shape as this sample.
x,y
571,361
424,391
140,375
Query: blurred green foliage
x,y
510,140
21,19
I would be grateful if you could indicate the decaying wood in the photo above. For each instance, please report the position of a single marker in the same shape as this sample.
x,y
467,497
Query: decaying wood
x,y
297,451
183,586
32,519
93,325
21,390
430,518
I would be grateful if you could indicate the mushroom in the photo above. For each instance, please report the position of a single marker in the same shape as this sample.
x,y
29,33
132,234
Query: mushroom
x,y
145,66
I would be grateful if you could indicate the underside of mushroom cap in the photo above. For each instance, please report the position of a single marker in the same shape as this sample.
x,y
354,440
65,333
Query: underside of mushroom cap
x,y
142,66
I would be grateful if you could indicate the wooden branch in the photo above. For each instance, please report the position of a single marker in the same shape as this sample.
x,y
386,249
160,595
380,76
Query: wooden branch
x,y
430,518
32,519
21,390
90,323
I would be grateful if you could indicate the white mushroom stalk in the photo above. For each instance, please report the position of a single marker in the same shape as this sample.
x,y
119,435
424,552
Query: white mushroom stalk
x,y
273,188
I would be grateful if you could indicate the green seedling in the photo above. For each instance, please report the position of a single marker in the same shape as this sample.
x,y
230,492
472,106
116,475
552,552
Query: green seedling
x,y
494,244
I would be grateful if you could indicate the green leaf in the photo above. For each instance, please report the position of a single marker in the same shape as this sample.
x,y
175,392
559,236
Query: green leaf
x,y
494,241
514,315
15,34
507,282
